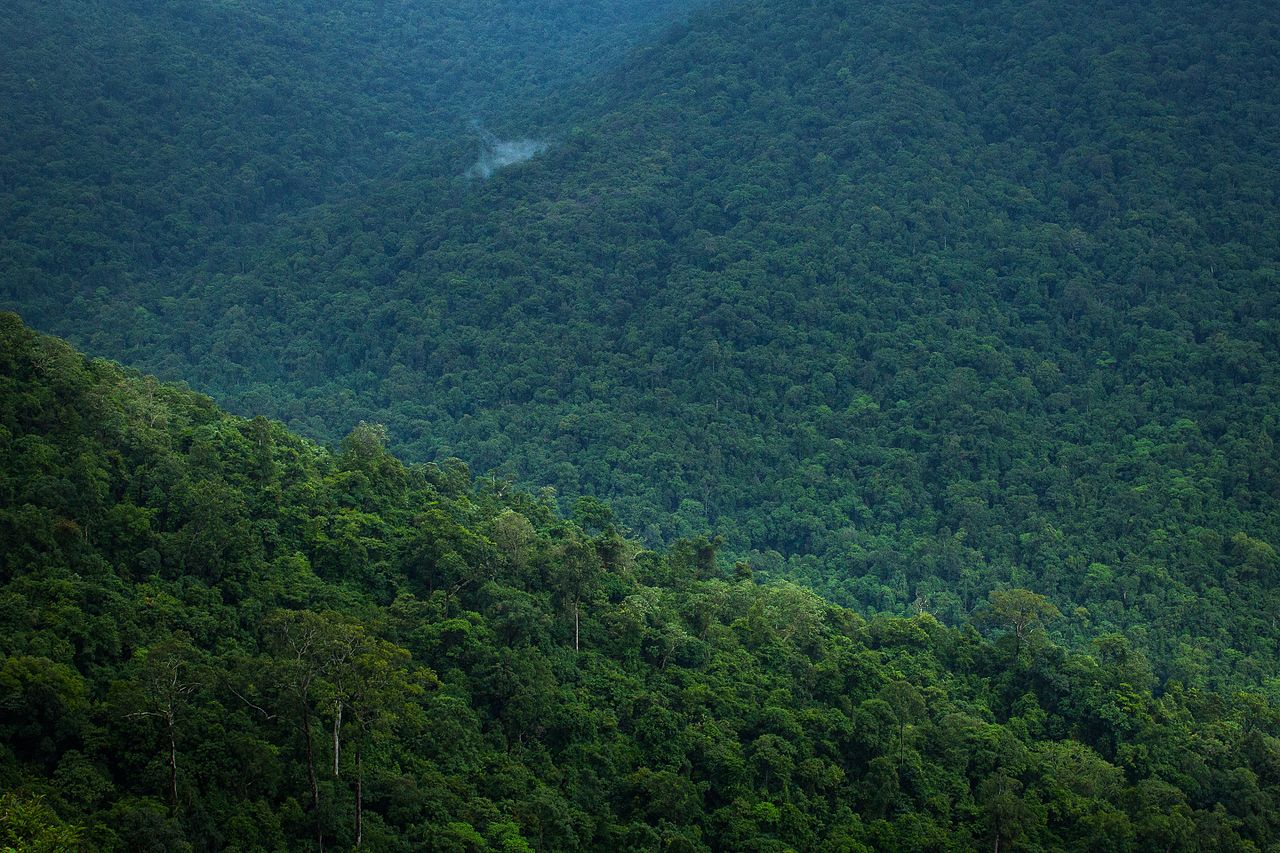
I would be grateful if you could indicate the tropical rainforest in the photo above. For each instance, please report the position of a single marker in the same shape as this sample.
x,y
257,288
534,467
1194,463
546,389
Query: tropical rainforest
x,y
220,636
731,425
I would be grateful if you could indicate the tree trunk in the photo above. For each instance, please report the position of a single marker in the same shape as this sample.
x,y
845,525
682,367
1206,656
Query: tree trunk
x,y
359,796
337,725
311,775
173,767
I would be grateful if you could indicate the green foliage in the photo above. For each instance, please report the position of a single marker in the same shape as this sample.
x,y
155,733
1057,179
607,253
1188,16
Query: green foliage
x,y
961,315
422,685
142,136
908,301
29,825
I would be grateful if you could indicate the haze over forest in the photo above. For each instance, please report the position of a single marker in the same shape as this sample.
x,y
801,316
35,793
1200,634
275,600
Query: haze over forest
x,y
669,425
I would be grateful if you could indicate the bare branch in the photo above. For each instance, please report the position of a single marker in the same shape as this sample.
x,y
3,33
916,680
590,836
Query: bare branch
x,y
258,708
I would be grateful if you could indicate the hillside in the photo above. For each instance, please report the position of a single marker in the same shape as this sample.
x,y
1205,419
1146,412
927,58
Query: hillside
x,y
907,301
215,635
139,138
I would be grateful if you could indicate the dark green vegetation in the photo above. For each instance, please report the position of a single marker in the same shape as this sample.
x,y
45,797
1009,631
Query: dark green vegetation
x,y
215,635
904,300
964,315
140,138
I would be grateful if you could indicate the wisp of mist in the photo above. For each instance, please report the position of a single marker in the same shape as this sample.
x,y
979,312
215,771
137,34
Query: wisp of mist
x,y
498,153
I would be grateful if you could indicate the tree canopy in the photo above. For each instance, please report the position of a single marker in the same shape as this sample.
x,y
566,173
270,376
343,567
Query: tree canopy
x,y
215,635
906,301
873,411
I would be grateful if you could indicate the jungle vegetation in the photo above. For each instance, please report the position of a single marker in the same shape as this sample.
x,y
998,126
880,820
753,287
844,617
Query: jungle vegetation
x,y
869,413
216,635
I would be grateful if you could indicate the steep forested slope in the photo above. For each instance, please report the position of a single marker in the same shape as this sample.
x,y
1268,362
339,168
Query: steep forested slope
x,y
141,137
215,635
927,297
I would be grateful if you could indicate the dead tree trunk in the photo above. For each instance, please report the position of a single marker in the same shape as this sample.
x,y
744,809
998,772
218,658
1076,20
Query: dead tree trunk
x,y
359,795
173,766
337,726
311,775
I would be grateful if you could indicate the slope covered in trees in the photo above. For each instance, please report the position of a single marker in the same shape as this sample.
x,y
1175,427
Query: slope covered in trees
x,y
139,138
908,300
215,635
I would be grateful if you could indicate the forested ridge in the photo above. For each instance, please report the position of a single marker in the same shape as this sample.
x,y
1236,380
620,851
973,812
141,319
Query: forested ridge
x,y
906,301
872,406
215,635
140,139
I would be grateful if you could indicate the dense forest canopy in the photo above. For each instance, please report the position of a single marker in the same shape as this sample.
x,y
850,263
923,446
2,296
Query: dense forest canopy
x,y
905,300
873,407
140,138
215,635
